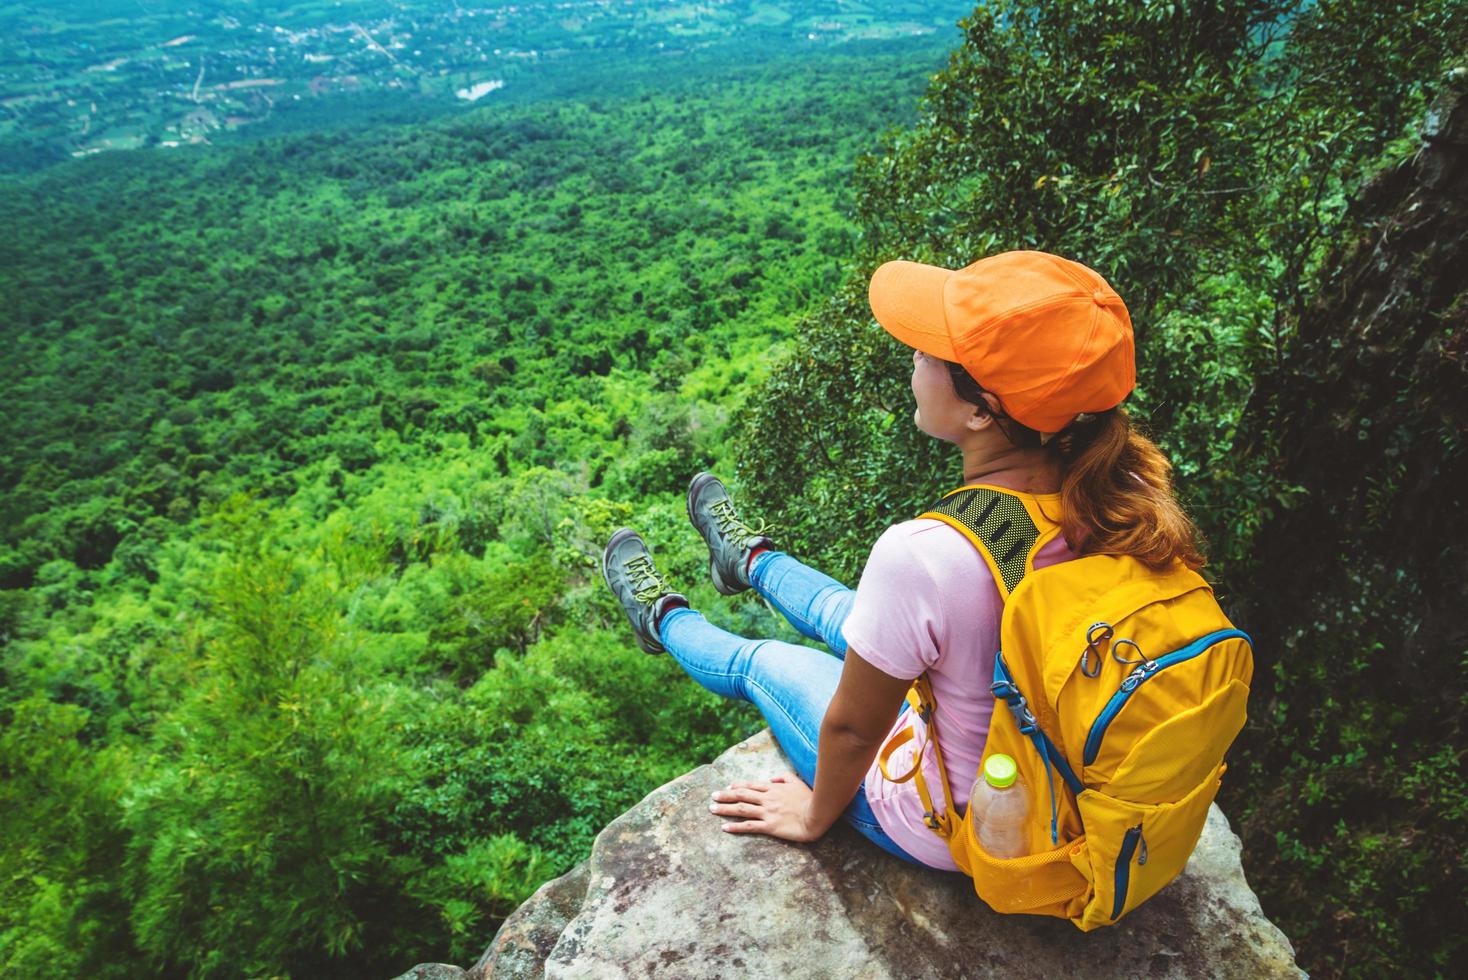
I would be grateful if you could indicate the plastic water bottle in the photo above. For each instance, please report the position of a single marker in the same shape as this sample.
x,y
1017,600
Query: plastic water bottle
x,y
998,805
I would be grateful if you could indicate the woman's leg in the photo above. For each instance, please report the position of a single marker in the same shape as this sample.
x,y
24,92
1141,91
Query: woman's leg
x,y
791,685
814,603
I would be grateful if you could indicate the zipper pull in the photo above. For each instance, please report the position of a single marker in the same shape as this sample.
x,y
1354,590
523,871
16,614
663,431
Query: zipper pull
x,y
1138,675
1141,847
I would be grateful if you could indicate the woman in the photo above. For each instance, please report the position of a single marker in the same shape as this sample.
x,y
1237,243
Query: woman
x,y
1021,360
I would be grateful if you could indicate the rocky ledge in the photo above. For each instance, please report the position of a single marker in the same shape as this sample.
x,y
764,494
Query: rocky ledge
x,y
665,893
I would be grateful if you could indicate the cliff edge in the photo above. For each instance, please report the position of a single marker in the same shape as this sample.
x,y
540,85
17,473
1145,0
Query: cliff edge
x,y
666,893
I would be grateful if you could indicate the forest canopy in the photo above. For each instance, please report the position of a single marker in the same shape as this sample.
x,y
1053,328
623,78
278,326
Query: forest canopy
x,y
313,445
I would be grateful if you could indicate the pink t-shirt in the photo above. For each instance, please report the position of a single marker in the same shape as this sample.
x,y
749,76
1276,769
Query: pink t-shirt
x,y
927,601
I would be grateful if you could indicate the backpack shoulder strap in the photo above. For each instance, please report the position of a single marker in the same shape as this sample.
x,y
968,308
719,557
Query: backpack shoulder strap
x,y
1007,528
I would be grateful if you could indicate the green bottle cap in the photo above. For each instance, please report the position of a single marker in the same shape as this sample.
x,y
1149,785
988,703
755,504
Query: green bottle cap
x,y
1000,770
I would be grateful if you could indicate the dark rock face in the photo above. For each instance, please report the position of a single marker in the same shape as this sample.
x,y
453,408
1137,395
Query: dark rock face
x,y
667,893
1368,407
1357,594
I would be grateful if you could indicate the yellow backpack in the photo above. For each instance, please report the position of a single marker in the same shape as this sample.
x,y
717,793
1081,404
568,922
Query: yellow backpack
x,y
1124,688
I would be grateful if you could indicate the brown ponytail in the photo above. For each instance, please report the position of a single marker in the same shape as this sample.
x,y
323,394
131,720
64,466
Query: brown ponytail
x,y
1117,494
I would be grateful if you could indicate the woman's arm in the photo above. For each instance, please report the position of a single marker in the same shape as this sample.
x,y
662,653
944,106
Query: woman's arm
x,y
860,715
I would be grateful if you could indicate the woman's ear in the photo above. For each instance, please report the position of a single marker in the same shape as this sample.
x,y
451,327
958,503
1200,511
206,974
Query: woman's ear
x,y
983,415
979,420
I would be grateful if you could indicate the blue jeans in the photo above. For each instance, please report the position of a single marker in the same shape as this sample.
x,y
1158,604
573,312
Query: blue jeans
x,y
790,684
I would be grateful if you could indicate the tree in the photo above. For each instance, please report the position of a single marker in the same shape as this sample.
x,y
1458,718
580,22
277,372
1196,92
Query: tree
x,y
254,834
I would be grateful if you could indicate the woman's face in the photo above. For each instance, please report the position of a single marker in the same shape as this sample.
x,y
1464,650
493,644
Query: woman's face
x,y
940,412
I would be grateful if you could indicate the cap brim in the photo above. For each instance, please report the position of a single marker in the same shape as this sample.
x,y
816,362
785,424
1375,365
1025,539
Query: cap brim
x,y
907,300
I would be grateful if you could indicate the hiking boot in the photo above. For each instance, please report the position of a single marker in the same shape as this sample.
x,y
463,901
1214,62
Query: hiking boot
x,y
730,540
627,566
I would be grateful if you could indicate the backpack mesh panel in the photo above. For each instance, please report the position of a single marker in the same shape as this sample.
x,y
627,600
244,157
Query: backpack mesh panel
x,y
1000,521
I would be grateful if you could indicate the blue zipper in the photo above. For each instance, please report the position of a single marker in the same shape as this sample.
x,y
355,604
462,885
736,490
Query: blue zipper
x,y
1124,869
1004,688
1142,673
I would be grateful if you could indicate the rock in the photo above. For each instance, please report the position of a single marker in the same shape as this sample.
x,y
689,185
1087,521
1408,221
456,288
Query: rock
x,y
666,893
433,971
527,937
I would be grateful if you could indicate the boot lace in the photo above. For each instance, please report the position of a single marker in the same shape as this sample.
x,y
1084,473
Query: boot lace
x,y
647,584
731,527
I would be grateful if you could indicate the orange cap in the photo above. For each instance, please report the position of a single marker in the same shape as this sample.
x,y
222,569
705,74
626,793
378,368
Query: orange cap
x,y
1047,335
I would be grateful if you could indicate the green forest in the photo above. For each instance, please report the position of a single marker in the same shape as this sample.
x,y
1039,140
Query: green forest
x,y
313,443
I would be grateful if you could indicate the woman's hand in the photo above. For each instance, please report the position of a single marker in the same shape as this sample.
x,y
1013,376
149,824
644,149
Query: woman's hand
x,y
779,807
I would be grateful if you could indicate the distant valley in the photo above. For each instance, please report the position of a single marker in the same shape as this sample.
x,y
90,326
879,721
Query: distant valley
x,y
103,75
